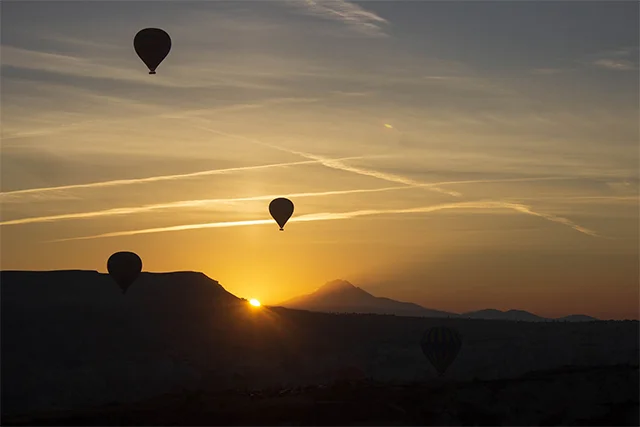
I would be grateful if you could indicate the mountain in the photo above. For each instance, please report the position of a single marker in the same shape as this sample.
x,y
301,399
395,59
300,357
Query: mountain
x,y
577,318
522,316
493,314
75,330
52,289
340,296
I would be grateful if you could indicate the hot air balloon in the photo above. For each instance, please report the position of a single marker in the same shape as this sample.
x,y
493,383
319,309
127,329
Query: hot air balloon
x,y
124,268
441,346
281,210
152,45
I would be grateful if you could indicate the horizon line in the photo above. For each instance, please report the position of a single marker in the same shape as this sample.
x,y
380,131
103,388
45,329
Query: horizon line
x,y
280,305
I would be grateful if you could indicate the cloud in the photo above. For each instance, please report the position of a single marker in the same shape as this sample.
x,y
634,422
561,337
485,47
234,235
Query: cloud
x,y
462,205
350,14
547,71
614,59
622,51
614,64
338,164
198,203
623,186
324,216
8,195
83,43
553,218
72,65
587,199
128,69
187,204
162,113
350,93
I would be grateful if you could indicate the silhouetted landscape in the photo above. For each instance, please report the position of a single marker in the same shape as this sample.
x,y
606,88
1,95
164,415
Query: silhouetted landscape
x,y
320,212
340,296
180,349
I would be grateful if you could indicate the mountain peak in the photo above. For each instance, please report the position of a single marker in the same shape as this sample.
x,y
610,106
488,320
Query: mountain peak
x,y
343,297
336,285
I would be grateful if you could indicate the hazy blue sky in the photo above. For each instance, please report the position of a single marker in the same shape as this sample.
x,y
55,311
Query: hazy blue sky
x,y
460,155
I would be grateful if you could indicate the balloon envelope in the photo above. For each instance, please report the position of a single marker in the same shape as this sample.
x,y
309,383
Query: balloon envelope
x,y
152,45
281,210
124,268
441,345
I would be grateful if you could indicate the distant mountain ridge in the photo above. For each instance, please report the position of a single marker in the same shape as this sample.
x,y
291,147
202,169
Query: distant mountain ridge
x,y
52,288
522,316
493,314
337,296
340,296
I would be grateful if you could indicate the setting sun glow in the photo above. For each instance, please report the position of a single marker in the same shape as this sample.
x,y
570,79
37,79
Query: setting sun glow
x,y
394,138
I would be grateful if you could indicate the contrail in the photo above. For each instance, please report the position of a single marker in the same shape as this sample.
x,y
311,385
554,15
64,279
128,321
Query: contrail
x,y
335,163
348,215
587,198
205,202
461,205
185,204
171,114
10,194
558,219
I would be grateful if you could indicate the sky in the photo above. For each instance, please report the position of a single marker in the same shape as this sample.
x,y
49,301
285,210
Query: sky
x,y
459,155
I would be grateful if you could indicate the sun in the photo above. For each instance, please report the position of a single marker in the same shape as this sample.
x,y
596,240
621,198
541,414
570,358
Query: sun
x,y
254,302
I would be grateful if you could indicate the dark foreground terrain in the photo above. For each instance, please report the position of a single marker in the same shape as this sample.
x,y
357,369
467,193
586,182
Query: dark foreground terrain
x,y
596,396
179,349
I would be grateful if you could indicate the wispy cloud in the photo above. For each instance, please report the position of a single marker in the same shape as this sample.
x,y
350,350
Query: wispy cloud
x,y
338,164
461,205
187,204
547,71
162,114
74,65
624,51
129,70
614,59
614,64
553,218
9,195
623,186
354,16
200,203
78,42
606,199
349,215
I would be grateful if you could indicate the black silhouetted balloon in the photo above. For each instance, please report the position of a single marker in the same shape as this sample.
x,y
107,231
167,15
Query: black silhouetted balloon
x,y
124,268
281,210
152,45
441,346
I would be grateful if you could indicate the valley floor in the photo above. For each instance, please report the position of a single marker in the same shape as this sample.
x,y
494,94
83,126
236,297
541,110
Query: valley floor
x,y
604,395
